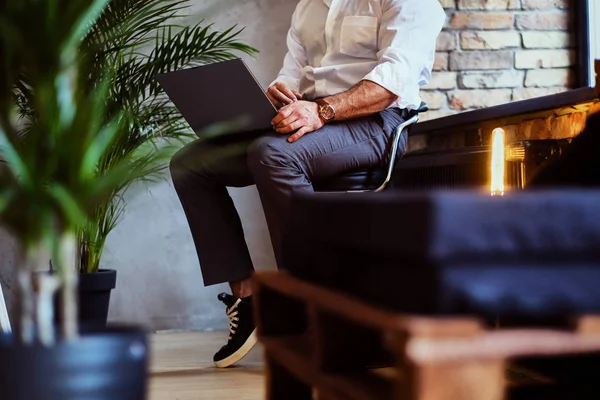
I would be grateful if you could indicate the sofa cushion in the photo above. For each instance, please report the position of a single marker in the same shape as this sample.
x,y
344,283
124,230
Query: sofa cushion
x,y
525,253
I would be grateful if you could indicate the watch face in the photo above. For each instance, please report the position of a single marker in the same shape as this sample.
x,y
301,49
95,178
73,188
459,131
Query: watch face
x,y
327,112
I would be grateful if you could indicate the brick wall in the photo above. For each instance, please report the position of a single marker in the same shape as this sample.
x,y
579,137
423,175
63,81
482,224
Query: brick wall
x,y
496,51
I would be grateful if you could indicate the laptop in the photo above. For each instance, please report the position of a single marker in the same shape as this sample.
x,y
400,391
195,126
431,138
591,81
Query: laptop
x,y
220,93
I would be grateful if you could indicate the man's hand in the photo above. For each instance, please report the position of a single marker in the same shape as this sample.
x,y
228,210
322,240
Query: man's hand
x,y
281,95
301,116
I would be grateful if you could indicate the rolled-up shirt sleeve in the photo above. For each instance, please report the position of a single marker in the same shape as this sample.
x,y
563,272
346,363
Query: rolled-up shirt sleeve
x,y
295,59
407,40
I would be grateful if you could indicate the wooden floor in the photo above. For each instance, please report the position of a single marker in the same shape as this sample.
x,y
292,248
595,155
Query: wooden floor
x,y
182,369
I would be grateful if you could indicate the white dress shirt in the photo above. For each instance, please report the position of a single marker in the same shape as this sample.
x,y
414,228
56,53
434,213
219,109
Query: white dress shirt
x,y
334,44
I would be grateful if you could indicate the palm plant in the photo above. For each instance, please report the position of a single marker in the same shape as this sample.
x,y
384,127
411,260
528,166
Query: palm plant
x,y
129,43
49,183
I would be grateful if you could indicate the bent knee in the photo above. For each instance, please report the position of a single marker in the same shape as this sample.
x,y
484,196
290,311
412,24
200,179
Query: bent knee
x,y
268,151
187,161
177,164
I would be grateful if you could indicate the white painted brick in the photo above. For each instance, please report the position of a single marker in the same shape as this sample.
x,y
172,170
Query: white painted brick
x,y
483,40
548,40
434,99
468,99
490,80
442,80
549,77
534,59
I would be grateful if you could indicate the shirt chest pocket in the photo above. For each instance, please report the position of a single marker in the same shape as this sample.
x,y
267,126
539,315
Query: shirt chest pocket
x,y
358,36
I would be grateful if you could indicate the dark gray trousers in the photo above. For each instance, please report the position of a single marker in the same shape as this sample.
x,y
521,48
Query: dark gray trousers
x,y
202,170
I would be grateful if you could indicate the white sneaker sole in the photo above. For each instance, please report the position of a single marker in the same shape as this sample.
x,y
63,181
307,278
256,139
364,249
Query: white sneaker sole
x,y
239,354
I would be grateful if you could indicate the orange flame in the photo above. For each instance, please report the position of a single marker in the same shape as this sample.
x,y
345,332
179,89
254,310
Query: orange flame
x,y
497,181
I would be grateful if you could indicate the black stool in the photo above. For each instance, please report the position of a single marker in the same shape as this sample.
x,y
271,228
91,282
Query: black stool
x,y
374,179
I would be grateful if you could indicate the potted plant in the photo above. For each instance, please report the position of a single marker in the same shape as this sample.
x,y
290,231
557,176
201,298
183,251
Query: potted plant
x,y
133,40
49,188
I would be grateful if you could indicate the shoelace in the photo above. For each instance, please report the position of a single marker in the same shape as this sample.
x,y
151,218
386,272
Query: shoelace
x,y
232,313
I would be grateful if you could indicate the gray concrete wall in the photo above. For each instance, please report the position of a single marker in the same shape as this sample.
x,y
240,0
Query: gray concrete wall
x,y
159,281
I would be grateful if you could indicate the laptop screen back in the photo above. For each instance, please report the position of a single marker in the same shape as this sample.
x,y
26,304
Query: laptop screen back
x,y
224,92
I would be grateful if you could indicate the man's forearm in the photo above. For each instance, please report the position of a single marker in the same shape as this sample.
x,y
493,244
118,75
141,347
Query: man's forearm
x,y
301,117
365,98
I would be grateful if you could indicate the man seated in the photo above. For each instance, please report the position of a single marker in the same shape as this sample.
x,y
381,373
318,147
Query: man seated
x,y
352,70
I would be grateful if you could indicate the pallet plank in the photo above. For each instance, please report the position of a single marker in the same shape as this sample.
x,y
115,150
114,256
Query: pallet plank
x,y
432,358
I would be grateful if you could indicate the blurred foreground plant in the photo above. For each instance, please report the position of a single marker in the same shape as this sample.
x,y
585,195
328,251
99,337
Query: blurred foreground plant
x,y
50,182
120,51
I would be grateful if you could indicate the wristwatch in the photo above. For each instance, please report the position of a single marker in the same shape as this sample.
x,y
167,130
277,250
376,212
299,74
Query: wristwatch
x,y
326,111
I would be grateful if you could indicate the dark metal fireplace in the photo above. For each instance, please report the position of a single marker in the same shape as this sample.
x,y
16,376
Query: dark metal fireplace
x,y
470,167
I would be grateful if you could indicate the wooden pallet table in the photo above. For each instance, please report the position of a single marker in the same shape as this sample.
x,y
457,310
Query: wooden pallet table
x,y
318,344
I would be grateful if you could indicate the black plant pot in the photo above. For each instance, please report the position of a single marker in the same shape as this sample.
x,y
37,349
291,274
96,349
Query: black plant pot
x,y
107,365
94,299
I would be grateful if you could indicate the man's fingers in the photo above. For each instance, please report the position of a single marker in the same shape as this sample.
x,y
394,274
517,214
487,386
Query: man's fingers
x,y
287,92
286,121
292,127
283,113
299,134
277,92
274,101
279,96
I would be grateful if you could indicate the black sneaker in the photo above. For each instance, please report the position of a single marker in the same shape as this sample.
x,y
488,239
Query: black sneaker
x,y
242,333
